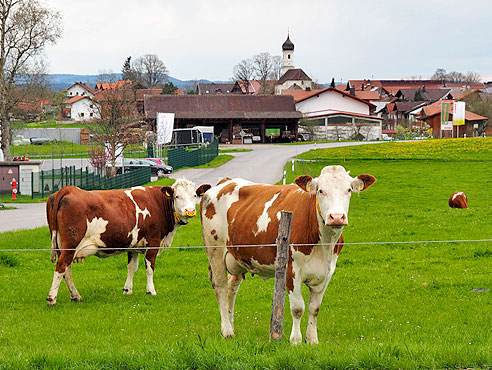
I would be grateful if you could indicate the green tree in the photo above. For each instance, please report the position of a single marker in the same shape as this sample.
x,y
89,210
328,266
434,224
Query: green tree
x,y
168,88
26,27
332,84
127,70
418,95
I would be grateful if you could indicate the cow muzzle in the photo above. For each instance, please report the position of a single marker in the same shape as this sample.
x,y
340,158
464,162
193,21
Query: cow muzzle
x,y
190,212
336,219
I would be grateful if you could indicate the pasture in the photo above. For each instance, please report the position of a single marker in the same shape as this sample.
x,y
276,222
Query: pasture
x,y
416,305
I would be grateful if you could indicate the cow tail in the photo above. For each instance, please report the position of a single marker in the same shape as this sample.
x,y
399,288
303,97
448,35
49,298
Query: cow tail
x,y
53,221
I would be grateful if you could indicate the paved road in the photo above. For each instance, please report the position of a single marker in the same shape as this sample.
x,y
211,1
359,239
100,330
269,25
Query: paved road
x,y
263,165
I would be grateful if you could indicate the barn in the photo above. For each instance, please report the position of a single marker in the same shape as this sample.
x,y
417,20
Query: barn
x,y
252,118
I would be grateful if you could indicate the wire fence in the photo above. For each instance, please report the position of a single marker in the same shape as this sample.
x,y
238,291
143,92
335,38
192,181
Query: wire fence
x,y
134,249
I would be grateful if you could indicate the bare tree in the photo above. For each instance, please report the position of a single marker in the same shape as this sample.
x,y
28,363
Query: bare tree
x,y
150,70
263,66
115,110
276,67
26,27
243,72
456,77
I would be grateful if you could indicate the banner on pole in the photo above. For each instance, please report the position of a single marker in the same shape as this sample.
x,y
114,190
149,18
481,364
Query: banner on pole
x,y
458,113
445,107
447,126
165,125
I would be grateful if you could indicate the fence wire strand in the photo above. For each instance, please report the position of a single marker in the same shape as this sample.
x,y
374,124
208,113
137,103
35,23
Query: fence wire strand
x,y
142,249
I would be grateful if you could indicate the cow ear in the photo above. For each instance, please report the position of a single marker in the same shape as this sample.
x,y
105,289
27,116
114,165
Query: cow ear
x,y
362,182
202,189
167,191
306,183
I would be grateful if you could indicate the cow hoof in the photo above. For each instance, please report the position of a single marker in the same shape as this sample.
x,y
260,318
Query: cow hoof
x,y
127,292
312,341
152,293
51,301
295,340
229,334
76,299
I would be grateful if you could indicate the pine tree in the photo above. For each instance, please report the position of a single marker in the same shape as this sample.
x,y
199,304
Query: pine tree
x,y
332,82
126,71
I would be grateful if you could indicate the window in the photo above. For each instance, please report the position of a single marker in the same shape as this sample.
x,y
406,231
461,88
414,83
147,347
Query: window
x,y
288,56
81,114
91,106
71,93
91,114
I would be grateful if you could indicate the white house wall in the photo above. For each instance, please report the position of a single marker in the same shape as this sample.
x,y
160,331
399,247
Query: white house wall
x,y
77,90
331,101
81,110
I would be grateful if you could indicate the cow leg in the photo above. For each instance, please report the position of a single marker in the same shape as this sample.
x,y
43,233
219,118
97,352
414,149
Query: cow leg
x,y
132,268
218,278
149,268
314,303
232,287
296,309
64,260
74,294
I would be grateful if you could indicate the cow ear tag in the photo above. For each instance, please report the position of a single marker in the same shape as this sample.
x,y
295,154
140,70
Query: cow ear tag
x,y
202,194
168,194
361,187
308,188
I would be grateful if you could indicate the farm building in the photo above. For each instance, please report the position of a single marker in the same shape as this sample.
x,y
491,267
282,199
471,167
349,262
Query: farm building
x,y
337,115
256,118
474,123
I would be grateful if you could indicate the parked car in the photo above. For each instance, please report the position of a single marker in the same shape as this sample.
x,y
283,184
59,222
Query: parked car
x,y
39,140
156,160
156,169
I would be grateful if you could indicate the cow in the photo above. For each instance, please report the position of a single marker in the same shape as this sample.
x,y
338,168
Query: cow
x,y
458,200
109,222
240,213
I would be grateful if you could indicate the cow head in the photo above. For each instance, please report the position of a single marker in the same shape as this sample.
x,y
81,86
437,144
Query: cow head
x,y
333,189
184,198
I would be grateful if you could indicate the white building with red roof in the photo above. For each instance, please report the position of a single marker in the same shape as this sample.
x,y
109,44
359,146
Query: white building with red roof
x,y
80,108
337,115
80,89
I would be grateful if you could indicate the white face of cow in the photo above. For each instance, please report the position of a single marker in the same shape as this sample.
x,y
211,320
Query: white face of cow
x,y
184,198
333,189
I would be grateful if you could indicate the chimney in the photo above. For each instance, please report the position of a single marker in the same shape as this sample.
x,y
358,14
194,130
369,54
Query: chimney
x,y
352,91
423,88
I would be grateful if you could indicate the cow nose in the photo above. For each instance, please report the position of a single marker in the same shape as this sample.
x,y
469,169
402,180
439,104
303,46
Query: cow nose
x,y
190,212
337,219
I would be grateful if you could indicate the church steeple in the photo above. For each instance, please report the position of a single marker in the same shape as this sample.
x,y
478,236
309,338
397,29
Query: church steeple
x,y
288,55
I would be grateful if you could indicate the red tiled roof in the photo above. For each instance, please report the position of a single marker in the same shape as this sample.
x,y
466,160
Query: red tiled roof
x,y
139,93
366,95
75,99
112,85
299,94
294,74
319,92
178,92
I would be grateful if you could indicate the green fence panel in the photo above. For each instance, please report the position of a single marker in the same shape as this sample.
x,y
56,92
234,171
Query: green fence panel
x,y
180,157
45,183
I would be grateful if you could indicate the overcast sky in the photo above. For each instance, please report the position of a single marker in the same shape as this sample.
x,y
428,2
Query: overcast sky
x,y
345,39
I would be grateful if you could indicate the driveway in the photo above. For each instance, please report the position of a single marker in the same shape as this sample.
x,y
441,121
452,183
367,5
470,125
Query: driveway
x,y
263,165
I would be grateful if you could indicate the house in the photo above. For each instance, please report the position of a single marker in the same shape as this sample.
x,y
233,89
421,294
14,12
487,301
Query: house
x,y
214,88
337,115
80,89
422,94
79,108
293,76
259,118
431,115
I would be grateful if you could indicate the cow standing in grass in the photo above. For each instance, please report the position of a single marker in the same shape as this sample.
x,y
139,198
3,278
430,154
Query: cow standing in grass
x,y
238,212
109,222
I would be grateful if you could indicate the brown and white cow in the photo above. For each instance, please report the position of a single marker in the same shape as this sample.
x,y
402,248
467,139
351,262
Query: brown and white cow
x,y
458,200
238,212
109,222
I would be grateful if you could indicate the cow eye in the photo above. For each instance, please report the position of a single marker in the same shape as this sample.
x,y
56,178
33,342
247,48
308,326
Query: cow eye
x,y
177,197
349,190
321,191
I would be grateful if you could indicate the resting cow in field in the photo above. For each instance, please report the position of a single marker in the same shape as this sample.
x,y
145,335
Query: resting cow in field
x,y
109,222
458,200
238,212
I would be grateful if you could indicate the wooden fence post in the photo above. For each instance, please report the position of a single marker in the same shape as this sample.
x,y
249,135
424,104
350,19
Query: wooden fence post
x,y
283,241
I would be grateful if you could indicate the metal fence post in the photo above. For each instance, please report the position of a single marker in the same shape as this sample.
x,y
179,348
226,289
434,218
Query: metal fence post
x,y
42,184
283,241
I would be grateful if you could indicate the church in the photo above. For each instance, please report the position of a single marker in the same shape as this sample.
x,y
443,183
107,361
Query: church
x,y
292,78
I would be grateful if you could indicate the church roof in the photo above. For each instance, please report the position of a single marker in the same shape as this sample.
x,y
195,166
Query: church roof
x,y
296,74
288,45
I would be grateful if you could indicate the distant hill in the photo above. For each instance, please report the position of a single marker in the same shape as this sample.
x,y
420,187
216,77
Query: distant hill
x,y
64,81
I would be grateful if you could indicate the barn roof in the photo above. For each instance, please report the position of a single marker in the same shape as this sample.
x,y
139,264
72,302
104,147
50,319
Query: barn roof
x,y
222,106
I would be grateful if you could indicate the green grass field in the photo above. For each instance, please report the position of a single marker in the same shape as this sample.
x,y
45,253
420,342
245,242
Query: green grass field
x,y
395,306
